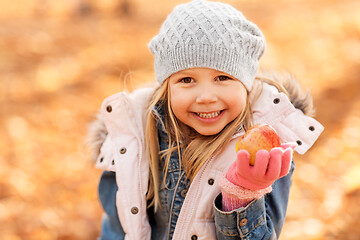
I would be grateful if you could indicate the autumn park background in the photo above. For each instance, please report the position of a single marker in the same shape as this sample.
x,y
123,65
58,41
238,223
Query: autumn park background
x,y
60,58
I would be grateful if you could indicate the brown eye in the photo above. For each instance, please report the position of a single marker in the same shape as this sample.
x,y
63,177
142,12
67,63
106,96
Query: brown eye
x,y
186,80
223,78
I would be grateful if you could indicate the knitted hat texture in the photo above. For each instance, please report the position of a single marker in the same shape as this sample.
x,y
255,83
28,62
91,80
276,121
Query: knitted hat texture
x,y
211,35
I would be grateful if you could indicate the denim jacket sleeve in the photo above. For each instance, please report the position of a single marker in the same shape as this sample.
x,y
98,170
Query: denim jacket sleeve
x,y
261,219
111,228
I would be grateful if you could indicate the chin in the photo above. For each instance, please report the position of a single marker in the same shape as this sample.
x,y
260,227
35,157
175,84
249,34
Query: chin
x,y
207,132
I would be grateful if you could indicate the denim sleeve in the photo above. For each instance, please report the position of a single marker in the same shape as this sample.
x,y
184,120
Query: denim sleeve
x,y
111,228
261,219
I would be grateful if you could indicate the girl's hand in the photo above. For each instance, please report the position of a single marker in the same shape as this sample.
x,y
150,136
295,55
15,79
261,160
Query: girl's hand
x,y
268,167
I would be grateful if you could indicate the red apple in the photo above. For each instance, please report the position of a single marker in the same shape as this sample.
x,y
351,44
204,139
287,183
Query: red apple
x,y
258,137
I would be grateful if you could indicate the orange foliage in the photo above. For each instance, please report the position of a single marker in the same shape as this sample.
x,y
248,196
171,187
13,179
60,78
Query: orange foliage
x,y
60,59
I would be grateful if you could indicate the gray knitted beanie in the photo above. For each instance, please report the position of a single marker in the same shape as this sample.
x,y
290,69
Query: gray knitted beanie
x,y
208,34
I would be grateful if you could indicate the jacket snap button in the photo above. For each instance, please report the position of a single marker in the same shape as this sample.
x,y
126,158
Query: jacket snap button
x,y
193,237
101,159
311,128
243,222
276,100
183,193
123,150
134,210
211,181
108,108
113,162
298,142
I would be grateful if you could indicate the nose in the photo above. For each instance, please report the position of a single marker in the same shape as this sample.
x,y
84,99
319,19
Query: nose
x,y
206,95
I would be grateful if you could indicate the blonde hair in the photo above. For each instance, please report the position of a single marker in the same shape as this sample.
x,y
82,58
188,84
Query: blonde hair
x,y
196,148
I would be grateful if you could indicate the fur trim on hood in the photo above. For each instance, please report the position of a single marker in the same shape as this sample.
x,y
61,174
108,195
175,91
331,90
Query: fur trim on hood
x,y
298,97
97,133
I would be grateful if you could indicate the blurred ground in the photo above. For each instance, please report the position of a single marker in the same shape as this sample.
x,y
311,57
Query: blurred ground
x,y
60,59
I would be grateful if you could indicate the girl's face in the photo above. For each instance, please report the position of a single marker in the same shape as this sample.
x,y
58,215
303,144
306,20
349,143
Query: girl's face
x,y
206,99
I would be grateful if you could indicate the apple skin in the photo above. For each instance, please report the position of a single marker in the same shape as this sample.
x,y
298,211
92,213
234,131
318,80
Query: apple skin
x,y
258,137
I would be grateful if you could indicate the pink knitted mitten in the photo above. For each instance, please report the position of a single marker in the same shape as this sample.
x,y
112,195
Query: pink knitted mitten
x,y
242,182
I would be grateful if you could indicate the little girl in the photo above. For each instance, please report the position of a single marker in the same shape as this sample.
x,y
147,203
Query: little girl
x,y
171,170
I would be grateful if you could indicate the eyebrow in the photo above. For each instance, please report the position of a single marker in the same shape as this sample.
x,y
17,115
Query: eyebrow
x,y
185,73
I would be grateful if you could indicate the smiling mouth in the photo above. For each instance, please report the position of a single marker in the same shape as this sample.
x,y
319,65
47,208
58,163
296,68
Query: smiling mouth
x,y
209,115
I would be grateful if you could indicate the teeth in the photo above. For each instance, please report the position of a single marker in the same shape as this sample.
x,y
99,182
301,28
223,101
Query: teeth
x,y
208,115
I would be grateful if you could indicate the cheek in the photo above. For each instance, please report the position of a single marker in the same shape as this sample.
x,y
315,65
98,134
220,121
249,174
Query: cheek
x,y
177,103
242,103
238,101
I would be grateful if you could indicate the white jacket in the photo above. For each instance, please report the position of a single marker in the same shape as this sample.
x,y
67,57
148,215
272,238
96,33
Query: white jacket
x,y
124,153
